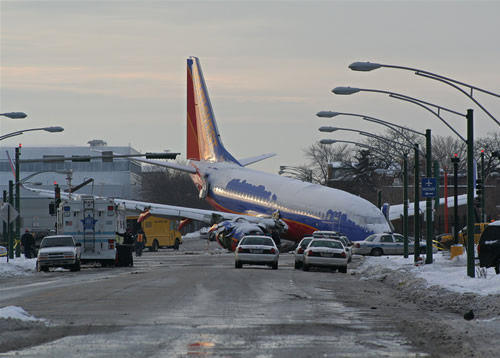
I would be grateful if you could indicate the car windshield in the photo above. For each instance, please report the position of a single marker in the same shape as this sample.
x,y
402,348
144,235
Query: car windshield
x,y
326,243
257,241
305,242
57,241
370,238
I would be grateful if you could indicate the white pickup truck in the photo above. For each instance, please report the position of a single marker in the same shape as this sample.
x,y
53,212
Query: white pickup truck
x,y
58,251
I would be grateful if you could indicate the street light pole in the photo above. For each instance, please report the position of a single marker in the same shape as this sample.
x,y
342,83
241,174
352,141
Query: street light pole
x,y
455,160
428,204
470,193
18,204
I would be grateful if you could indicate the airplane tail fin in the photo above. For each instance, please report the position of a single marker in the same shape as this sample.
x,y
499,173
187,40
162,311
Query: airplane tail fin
x,y
203,138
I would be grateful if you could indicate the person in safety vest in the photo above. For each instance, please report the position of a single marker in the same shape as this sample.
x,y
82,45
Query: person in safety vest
x,y
140,242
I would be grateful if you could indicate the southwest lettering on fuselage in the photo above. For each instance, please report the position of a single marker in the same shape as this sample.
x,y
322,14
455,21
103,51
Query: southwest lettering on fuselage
x,y
304,207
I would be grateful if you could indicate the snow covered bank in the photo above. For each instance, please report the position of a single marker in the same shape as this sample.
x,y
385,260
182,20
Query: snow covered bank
x,y
445,273
16,267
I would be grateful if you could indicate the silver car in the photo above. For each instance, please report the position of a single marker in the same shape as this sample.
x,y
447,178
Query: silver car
x,y
336,236
299,251
325,253
386,244
256,250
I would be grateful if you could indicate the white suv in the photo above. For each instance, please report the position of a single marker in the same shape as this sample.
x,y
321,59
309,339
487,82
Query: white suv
x,y
58,251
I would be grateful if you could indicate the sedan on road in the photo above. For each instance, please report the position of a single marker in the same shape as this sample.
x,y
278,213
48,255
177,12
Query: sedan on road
x,y
299,251
326,253
386,244
256,250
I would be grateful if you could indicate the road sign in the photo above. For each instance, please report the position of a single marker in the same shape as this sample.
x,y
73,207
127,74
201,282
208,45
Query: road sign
x,y
429,187
5,215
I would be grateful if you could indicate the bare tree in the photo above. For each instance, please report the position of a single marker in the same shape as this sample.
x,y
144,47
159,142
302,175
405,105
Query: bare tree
x,y
170,187
319,155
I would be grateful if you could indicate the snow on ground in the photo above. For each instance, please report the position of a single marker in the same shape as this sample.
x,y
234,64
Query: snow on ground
x,y
16,267
443,272
15,312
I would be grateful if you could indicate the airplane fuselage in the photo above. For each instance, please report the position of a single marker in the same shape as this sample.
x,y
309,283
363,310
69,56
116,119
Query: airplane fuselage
x,y
305,207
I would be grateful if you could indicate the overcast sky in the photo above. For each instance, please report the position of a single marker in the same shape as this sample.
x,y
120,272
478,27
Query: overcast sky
x,y
116,70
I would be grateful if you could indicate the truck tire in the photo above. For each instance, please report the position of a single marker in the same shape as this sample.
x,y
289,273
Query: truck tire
x,y
154,247
177,244
76,266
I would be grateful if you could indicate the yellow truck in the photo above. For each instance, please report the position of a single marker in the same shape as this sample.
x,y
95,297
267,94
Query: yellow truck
x,y
444,241
159,232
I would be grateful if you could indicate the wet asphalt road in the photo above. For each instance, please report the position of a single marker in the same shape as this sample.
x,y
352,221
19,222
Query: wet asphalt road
x,y
173,304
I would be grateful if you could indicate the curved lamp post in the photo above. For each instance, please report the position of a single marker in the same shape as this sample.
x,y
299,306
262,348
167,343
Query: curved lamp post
x,y
369,66
14,115
47,129
470,165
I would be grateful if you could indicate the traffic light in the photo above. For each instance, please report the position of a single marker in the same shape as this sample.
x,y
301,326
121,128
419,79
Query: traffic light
x,y
52,208
479,187
57,195
455,158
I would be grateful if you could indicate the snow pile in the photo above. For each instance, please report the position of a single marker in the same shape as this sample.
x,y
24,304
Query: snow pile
x,y
17,267
443,272
14,312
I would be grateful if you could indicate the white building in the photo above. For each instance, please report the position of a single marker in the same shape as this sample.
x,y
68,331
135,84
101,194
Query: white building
x,y
119,177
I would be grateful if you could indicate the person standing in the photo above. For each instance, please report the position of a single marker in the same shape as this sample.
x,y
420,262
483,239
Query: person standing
x,y
140,242
28,241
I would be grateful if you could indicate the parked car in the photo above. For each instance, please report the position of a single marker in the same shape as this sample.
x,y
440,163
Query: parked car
x,y
386,244
337,236
58,251
256,250
299,251
325,253
489,247
3,251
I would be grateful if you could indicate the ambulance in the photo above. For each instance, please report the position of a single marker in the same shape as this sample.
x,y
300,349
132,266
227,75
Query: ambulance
x,y
94,224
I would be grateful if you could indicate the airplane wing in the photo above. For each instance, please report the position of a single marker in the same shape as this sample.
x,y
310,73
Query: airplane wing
x,y
236,224
396,211
258,158
170,165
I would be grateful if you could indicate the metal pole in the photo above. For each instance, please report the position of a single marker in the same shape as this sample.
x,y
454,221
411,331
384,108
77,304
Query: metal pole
x,y
5,232
470,193
9,226
455,161
405,204
18,203
482,197
428,203
416,210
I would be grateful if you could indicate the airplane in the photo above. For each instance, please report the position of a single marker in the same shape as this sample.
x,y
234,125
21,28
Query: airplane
x,y
296,208
251,201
